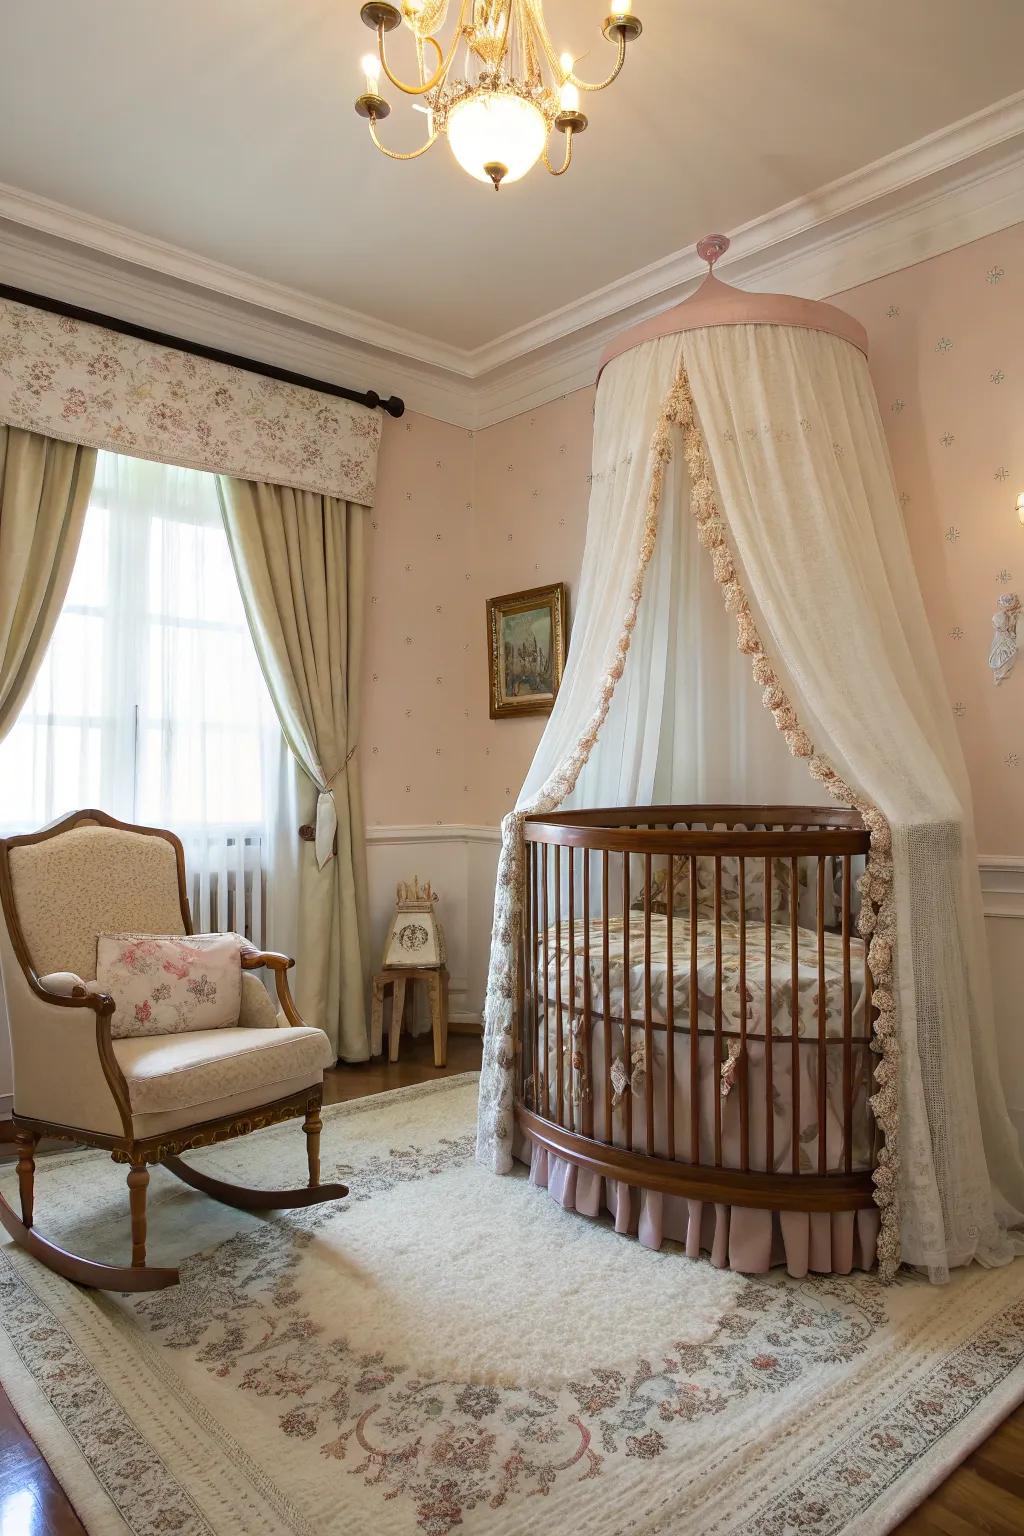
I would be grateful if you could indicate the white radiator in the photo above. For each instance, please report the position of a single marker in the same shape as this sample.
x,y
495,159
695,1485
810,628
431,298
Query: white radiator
x,y
226,881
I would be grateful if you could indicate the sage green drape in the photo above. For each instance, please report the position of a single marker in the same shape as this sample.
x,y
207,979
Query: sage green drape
x,y
44,492
299,558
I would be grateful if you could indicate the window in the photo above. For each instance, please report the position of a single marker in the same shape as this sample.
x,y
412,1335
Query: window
x,y
150,702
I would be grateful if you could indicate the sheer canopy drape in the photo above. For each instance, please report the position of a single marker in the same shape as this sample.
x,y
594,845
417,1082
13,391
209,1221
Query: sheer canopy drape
x,y
299,558
658,706
44,491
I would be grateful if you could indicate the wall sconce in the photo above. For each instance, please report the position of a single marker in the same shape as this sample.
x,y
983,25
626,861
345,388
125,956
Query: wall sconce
x,y
1020,508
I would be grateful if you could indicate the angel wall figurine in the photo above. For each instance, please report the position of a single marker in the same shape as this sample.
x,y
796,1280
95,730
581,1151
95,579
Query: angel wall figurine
x,y
1003,654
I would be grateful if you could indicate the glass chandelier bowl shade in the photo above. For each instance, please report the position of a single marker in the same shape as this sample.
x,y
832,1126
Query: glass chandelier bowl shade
x,y
496,136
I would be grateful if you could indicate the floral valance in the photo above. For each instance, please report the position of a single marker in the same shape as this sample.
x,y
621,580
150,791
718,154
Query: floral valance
x,y
86,384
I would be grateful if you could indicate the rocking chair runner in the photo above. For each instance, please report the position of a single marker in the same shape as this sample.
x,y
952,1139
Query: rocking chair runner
x,y
147,1099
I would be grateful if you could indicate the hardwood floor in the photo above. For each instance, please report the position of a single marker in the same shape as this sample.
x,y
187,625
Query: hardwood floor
x,y
983,1497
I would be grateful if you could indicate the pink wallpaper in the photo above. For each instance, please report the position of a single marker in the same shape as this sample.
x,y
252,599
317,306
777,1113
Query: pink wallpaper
x,y
461,518
947,357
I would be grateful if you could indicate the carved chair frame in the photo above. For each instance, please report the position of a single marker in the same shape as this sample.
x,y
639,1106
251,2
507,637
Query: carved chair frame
x,y
140,1152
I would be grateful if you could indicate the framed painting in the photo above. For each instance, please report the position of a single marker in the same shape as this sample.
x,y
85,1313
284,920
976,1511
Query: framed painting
x,y
526,642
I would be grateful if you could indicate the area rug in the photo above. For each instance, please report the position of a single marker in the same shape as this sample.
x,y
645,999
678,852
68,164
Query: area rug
x,y
447,1352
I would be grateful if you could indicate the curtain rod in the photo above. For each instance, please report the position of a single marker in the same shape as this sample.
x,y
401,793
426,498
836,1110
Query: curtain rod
x,y
393,405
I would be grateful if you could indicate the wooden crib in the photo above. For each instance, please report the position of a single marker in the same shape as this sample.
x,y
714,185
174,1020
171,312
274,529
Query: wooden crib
x,y
639,922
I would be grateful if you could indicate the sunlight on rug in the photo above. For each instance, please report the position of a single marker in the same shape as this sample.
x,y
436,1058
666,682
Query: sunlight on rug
x,y
447,1351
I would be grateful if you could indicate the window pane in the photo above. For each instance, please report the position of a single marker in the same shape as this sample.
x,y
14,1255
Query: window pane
x,y
70,681
90,578
150,702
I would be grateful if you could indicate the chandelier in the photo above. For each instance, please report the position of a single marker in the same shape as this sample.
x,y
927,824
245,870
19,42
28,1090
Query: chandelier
x,y
513,89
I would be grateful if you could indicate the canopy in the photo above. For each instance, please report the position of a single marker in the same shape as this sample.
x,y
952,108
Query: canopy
x,y
747,588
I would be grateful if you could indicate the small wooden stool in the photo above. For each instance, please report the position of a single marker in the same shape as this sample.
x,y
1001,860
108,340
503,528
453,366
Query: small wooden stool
x,y
437,990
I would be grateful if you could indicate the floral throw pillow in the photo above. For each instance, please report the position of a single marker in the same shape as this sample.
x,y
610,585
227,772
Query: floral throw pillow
x,y
163,984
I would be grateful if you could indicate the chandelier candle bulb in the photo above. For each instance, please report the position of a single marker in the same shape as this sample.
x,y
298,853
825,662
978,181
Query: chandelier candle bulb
x,y
370,65
1020,508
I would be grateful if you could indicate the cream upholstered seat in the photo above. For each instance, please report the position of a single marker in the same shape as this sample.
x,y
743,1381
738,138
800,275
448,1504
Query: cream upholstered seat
x,y
207,1073
146,1098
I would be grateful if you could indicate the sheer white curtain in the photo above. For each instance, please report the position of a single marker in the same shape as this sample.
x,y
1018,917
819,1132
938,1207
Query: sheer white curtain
x,y
793,431
150,702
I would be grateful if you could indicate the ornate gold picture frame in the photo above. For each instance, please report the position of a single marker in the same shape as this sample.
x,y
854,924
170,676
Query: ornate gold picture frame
x,y
527,634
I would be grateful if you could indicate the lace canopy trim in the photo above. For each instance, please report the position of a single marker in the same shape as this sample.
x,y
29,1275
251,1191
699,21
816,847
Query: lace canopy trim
x,y
495,1123
877,921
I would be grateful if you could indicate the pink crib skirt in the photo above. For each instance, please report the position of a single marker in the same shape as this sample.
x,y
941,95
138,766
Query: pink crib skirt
x,y
734,1236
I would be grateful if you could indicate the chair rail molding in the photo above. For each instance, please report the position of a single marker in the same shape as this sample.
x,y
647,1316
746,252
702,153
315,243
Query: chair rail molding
x,y
953,186
1002,884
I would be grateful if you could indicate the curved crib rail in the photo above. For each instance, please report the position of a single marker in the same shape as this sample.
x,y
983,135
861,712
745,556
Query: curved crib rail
x,y
768,1109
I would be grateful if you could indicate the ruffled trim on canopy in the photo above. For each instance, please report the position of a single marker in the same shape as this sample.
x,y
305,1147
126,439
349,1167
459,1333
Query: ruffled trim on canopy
x,y
877,920
495,1122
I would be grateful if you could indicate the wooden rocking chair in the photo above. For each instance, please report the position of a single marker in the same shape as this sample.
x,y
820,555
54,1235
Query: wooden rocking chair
x,y
146,1099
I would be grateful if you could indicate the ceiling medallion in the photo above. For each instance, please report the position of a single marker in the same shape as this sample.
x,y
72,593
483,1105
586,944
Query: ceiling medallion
x,y
513,88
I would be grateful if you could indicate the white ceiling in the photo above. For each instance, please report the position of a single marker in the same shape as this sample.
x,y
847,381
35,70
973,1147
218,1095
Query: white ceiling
x,y
226,127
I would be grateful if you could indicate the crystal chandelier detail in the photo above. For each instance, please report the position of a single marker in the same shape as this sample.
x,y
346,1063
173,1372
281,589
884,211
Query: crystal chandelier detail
x,y
514,87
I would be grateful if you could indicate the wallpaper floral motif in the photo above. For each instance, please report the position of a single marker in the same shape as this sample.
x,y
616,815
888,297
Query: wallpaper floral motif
x,y
461,517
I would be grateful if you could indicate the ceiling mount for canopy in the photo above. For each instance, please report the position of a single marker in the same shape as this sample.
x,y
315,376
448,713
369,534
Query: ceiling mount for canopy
x,y
718,303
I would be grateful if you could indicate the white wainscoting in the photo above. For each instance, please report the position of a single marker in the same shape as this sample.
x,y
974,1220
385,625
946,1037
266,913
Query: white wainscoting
x,y
460,862
1002,884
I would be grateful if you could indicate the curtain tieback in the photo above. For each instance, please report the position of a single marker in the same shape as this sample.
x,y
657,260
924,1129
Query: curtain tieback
x,y
325,832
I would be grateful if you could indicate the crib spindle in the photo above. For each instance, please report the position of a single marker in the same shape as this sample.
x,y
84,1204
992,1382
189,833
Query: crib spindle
x,y
606,1002
648,1013
847,1024
717,1079
535,962
559,1043
694,1019
794,1010
741,1065
822,1027
569,1098
769,1018
587,1052
627,1008
546,951
670,1012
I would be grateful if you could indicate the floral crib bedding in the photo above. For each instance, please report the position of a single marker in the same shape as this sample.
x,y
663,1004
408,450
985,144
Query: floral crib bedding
x,y
573,966
742,1238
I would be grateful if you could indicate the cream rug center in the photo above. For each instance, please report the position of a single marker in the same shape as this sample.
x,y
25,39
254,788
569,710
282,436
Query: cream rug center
x,y
433,1291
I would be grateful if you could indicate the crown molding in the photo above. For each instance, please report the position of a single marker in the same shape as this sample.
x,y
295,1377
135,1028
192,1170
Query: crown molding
x,y
953,186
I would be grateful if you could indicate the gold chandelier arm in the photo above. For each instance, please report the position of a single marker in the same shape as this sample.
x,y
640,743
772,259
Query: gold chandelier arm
x,y
554,61
561,170
443,63
394,154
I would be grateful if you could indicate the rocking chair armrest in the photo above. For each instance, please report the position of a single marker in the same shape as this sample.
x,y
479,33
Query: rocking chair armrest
x,y
90,1065
252,959
67,989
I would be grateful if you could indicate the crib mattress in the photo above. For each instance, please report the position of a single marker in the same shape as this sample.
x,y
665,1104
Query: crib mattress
x,y
568,960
